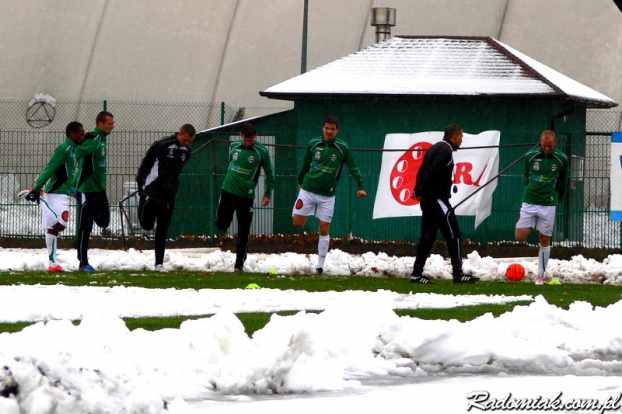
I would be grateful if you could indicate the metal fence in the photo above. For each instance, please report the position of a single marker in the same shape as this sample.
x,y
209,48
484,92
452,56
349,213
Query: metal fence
x,y
23,154
38,116
597,169
29,132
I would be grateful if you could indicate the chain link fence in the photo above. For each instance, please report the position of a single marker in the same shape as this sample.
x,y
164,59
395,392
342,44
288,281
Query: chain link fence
x,y
31,130
596,173
50,115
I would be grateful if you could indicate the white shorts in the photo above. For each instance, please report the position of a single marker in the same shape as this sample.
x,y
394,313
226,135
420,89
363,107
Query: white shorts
x,y
55,209
541,218
311,204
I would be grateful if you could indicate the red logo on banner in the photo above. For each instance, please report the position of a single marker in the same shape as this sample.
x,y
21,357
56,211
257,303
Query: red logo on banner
x,y
463,174
404,173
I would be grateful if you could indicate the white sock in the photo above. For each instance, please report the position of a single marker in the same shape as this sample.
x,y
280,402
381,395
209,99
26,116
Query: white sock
x,y
543,257
51,241
322,250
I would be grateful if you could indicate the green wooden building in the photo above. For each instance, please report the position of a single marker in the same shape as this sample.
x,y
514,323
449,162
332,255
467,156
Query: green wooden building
x,y
409,84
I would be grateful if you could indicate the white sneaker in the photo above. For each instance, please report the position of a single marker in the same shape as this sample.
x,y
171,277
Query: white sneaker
x,y
29,195
160,268
539,280
22,194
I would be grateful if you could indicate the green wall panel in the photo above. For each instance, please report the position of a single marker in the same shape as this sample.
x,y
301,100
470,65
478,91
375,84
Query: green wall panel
x,y
364,122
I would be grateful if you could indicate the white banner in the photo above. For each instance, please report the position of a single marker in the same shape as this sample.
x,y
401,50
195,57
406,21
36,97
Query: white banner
x,y
616,176
473,167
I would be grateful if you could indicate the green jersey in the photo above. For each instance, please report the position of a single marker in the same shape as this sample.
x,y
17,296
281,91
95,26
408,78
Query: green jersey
x,y
60,172
547,177
322,166
244,167
91,156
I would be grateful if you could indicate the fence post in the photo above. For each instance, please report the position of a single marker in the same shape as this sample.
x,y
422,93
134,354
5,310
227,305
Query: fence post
x,y
213,192
349,235
222,113
105,105
77,219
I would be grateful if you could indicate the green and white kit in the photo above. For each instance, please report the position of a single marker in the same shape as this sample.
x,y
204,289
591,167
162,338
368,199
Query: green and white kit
x,y
58,176
91,156
244,168
323,164
547,177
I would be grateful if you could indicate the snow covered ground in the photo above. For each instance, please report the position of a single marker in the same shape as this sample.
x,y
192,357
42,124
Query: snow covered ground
x,y
356,355
577,270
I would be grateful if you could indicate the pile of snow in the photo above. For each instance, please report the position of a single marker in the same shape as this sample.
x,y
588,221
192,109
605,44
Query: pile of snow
x,y
101,366
351,348
338,263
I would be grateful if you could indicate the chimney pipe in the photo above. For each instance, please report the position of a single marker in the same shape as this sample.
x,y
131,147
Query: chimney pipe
x,y
383,18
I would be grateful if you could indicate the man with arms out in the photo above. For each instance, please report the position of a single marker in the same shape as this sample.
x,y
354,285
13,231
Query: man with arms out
x,y
246,158
158,183
546,171
433,190
57,183
91,185
317,181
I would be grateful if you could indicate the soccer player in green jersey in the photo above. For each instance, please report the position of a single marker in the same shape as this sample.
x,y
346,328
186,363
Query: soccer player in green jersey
x,y
53,188
546,171
91,184
246,159
321,168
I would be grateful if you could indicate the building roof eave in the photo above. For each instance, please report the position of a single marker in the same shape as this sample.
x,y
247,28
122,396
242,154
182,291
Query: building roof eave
x,y
293,96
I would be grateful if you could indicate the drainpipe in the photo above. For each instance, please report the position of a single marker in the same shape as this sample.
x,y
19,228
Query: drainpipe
x,y
305,27
505,12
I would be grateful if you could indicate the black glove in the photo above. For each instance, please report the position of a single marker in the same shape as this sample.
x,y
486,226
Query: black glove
x,y
33,196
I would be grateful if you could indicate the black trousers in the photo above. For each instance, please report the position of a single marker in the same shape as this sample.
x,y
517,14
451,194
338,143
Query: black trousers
x,y
150,211
93,208
438,215
243,207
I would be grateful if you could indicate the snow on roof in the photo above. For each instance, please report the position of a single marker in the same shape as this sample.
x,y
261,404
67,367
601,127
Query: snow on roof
x,y
424,65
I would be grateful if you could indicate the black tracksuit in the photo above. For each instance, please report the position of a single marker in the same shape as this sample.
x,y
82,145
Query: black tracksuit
x,y
158,183
433,187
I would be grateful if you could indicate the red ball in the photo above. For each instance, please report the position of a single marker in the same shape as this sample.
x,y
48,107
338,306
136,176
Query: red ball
x,y
515,272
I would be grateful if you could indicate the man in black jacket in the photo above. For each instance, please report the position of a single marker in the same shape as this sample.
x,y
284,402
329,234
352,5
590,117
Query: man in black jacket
x,y
158,183
433,190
